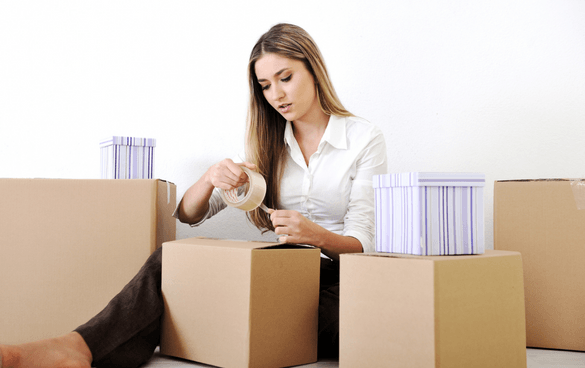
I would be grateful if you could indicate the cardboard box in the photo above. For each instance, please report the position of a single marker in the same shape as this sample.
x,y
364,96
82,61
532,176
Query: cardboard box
x,y
541,219
68,246
127,158
240,304
432,311
429,213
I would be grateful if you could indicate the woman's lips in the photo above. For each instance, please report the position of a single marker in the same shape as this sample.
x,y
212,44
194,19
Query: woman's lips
x,y
284,108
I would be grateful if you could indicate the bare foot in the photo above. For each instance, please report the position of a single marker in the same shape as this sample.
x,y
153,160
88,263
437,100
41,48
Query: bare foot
x,y
67,351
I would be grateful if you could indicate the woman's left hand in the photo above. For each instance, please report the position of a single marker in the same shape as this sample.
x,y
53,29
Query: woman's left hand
x,y
295,228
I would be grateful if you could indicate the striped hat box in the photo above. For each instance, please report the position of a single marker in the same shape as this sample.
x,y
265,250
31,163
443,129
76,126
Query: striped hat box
x,y
425,213
127,158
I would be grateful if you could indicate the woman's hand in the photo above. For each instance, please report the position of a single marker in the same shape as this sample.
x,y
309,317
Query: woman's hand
x,y
225,174
295,228
228,175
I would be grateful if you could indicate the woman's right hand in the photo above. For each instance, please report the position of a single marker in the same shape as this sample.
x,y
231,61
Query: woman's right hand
x,y
228,175
225,174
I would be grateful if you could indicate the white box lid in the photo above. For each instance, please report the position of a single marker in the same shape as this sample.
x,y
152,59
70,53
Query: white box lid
x,y
128,141
429,179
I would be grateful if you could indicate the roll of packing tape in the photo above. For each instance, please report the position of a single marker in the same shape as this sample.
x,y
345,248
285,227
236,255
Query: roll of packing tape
x,y
248,196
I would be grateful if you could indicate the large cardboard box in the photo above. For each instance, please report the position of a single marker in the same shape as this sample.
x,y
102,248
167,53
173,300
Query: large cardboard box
x,y
68,246
240,304
545,221
432,311
429,213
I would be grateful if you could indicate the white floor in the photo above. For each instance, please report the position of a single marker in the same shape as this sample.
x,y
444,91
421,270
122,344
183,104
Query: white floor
x,y
537,358
542,358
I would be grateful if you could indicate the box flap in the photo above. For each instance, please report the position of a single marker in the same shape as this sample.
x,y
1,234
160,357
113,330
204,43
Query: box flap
x,y
534,180
229,243
577,187
429,179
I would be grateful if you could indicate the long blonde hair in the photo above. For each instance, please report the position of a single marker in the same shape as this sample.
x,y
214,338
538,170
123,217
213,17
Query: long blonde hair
x,y
265,131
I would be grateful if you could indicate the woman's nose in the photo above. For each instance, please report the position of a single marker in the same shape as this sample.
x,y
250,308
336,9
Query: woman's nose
x,y
277,93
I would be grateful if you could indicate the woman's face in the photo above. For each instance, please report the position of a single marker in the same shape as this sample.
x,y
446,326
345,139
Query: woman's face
x,y
288,86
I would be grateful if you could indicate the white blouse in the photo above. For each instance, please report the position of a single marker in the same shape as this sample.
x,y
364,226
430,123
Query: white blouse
x,y
335,189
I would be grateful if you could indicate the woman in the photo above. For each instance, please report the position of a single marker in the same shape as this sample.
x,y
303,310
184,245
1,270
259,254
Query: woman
x,y
318,161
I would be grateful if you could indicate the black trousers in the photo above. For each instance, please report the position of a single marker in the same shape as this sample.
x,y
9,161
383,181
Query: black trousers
x,y
127,331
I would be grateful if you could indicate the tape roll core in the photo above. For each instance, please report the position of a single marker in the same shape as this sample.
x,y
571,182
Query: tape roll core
x,y
253,192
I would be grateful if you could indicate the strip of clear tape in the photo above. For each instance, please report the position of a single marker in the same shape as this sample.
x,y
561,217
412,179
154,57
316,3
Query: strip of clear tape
x,y
578,186
249,196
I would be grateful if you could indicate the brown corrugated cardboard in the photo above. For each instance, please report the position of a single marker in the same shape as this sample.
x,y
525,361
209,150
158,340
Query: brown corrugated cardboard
x,y
541,220
240,304
432,311
68,246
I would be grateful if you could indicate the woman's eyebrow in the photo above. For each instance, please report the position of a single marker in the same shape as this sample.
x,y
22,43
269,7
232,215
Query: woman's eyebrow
x,y
275,74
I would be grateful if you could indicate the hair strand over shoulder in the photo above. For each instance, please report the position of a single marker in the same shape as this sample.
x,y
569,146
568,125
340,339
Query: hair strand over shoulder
x,y
265,144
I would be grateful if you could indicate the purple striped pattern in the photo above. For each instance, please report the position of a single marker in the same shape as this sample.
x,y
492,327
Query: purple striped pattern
x,y
417,213
127,158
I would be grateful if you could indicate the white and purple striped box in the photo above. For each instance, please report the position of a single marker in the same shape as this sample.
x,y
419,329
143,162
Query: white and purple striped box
x,y
127,158
426,213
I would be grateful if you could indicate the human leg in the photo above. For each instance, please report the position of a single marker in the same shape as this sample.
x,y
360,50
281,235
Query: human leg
x,y
126,332
67,351
134,352
328,345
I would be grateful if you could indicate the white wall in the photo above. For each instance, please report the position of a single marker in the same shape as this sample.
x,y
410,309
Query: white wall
x,y
474,86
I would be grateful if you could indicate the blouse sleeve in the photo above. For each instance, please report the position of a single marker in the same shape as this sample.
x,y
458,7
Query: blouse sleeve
x,y
359,220
216,204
